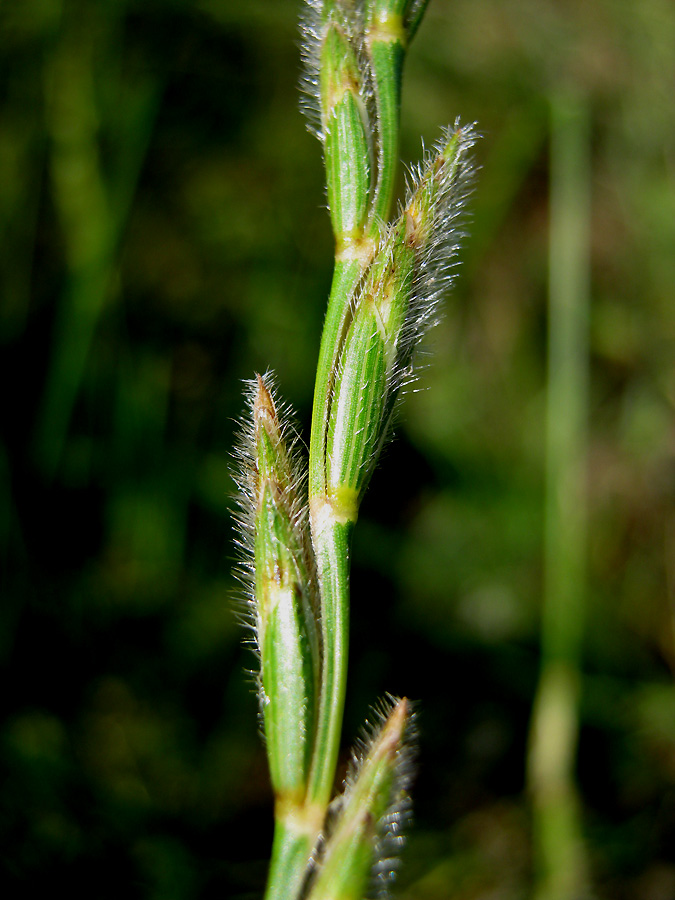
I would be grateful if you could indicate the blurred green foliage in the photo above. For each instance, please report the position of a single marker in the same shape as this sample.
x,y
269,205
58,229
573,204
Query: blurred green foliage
x,y
163,237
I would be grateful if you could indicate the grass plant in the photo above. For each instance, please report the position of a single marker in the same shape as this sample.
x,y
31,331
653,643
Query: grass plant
x,y
163,238
388,281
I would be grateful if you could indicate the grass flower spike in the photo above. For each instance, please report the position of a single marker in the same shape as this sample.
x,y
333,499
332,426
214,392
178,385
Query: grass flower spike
x,y
387,284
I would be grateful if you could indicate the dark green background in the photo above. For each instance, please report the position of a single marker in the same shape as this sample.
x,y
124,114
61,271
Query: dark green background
x,y
162,237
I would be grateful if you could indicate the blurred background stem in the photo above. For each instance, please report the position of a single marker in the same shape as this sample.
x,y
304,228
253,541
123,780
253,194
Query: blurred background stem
x,y
558,841
91,204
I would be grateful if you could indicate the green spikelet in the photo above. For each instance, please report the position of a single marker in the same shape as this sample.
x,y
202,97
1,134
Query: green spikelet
x,y
395,307
372,811
283,602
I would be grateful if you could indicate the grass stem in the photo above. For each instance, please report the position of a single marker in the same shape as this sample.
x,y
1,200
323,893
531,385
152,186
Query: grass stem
x,y
559,853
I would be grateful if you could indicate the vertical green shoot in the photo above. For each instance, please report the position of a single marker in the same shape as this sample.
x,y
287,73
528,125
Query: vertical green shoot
x,y
387,284
559,856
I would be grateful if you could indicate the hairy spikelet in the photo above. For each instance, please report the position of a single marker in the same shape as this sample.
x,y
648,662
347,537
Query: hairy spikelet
x,y
317,17
438,257
396,303
311,33
393,824
293,497
375,806
282,603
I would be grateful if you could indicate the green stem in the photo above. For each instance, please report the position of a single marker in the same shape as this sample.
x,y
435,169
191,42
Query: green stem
x,y
345,278
556,820
387,55
331,543
288,867
330,536
82,206
92,212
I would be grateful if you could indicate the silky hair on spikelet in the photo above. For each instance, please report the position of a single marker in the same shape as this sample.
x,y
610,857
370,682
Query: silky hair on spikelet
x,y
314,25
390,827
311,33
393,825
437,258
294,496
435,271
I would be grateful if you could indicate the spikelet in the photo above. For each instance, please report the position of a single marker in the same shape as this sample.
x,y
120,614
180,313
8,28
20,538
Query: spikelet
x,y
364,23
338,103
397,304
278,570
312,32
449,170
317,19
368,820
